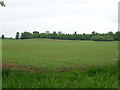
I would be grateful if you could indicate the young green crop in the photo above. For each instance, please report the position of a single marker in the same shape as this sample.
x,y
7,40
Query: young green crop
x,y
54,54
47,63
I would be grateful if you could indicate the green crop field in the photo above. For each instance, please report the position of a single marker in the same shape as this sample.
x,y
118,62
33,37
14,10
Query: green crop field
x,y
47,63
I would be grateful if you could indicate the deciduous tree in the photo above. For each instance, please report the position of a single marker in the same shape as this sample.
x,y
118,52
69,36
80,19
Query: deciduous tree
x,y
17,35
2,3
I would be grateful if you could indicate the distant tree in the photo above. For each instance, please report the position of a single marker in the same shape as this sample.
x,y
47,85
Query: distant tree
x,y
47,32
93,32
110,33
10,38
96,33
83,33
26,35
75,32
93,36
35,34
54,32
3,36
117,35
2,3
17,35
59,32
102,38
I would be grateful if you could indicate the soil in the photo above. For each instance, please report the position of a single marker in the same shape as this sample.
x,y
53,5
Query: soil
x,y
22,67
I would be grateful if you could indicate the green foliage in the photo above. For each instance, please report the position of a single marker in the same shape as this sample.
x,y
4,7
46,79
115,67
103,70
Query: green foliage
x,y
3,36
26,35
54,33
110,33
35,34
17,35
94,36
117,35
102,38
94,77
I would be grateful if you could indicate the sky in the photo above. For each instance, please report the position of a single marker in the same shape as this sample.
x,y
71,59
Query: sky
x,y
67,16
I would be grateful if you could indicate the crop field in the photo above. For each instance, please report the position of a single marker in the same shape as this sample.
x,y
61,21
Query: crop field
x,y
47,63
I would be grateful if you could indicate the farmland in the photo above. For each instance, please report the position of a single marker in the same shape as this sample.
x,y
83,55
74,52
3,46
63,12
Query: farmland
x,y
47,63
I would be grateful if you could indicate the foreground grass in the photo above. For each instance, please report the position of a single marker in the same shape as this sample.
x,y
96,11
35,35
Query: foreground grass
x,y
97,77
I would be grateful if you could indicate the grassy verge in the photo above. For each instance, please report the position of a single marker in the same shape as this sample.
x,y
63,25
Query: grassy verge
x,y
96,77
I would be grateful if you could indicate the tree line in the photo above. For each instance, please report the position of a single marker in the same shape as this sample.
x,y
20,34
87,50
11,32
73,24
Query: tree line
x,y
110,36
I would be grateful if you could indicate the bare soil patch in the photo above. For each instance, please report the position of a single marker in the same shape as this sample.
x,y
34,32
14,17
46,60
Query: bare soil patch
x,y
23,68
12,66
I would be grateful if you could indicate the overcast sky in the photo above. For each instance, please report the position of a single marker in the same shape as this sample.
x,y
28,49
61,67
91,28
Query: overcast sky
x,y
68,16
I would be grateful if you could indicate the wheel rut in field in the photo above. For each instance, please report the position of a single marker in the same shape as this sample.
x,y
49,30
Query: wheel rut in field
x,y
22,68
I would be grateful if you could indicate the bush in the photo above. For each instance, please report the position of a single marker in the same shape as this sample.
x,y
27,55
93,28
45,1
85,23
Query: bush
x,y
102,38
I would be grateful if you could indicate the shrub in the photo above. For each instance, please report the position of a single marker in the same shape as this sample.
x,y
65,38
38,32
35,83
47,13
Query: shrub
x,y
102,38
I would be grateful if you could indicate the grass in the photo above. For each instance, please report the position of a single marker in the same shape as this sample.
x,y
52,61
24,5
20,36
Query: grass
x,y
53,54
91,78
64,63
